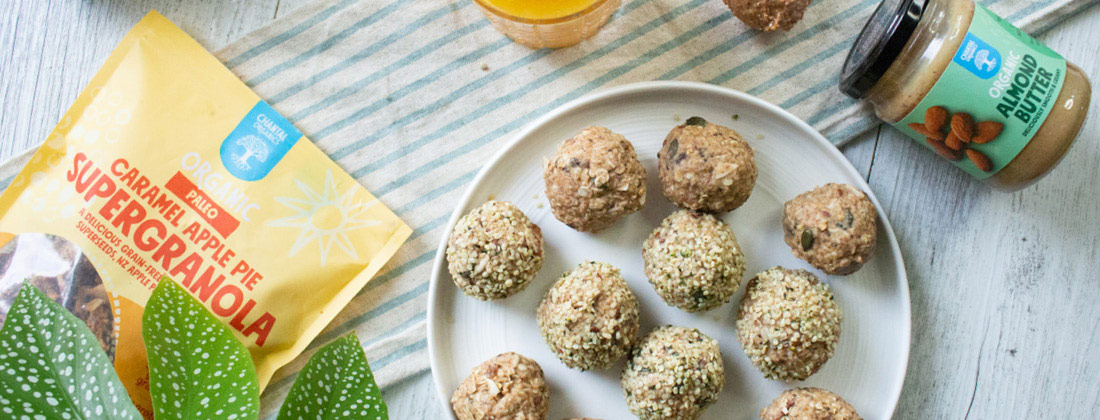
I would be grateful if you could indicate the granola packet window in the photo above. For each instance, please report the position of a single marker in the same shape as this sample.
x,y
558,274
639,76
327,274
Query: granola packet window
x,y
168,165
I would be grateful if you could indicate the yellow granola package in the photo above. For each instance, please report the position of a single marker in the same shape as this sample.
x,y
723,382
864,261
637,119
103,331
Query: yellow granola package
x,y
168,165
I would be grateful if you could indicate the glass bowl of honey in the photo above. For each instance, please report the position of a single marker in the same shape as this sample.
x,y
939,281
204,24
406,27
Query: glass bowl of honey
x,y
548,24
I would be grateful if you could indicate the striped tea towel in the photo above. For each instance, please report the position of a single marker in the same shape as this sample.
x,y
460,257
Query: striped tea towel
x,y
411,97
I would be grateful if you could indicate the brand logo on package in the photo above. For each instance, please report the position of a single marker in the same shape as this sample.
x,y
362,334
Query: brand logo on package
x,y
258,143
978,57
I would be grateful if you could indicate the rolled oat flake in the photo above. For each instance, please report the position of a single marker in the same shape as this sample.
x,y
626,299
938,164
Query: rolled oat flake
x,y
970,86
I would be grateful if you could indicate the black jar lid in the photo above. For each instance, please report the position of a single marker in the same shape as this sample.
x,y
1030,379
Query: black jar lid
x,y
879,43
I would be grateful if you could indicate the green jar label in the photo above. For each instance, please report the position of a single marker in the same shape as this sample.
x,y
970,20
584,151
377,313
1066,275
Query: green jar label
x,y
1003,79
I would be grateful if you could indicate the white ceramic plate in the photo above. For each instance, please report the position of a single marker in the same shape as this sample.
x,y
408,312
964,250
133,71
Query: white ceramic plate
x,y
869,365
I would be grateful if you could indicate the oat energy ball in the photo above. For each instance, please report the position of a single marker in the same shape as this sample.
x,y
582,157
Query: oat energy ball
x,y
505,387
788,323
589,318
693,261
809,404
593,179
673,373
706,167
833,227
494,251
768,15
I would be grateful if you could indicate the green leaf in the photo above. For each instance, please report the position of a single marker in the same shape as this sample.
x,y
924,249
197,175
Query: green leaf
x,y
197,368
336,383
51,366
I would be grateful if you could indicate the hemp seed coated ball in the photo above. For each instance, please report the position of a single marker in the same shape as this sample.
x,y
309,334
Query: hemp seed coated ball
x,y
706,167
769,15
833,227
594,179
507,386
494,251
788,323
809,404
673,373
589,318
693,261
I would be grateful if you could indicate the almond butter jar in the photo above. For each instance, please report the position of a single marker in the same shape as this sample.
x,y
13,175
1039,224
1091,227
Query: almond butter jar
x,y
970,86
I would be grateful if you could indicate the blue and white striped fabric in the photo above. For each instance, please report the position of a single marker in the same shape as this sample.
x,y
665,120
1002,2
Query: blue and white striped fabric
x,y
411,97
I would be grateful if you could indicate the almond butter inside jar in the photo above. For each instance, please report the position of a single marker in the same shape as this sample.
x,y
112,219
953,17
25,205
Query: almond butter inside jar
x,y
970,86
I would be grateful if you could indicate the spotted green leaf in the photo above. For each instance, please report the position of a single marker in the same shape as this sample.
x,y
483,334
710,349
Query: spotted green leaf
x,y
51,366
336,383
197,368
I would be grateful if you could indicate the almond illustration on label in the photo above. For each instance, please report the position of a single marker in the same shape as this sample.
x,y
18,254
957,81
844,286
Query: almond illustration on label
x,y
979,159
934,118
921,128
961,132
987,131
962,124
944,151
953,141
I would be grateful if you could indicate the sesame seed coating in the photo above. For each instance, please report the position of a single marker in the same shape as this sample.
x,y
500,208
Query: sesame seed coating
x,y
673,373
494,251
693,261
594,179
833,227
809,404
706,167
788,323
589,318
506,387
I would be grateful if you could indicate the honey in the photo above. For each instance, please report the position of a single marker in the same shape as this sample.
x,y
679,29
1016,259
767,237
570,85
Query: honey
x,y
540,9
548,24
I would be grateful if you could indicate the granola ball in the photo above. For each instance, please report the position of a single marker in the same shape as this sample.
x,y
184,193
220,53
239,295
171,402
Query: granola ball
x,y
593,179
833,227
769,15
706,167
809,404
788,323
673,373
494,251
589,317
693,261
507,386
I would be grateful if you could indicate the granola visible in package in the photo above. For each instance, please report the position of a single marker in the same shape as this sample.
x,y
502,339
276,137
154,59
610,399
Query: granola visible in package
x,y
168,165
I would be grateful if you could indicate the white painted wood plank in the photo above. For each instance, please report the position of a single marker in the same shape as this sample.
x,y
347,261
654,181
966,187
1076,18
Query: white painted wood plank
x,y
861,151
414,399
1003,286
51,48
287,6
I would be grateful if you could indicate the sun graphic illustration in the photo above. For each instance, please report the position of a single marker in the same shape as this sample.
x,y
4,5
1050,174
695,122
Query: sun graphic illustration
x,y
325,217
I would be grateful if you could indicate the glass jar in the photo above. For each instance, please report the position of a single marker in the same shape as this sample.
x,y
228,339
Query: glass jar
x,y
548,24
970,86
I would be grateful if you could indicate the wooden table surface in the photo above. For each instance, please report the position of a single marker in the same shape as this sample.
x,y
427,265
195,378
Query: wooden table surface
x,y
1005,289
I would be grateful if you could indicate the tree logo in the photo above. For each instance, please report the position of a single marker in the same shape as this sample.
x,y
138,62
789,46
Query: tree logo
x,y
261,139
251,147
